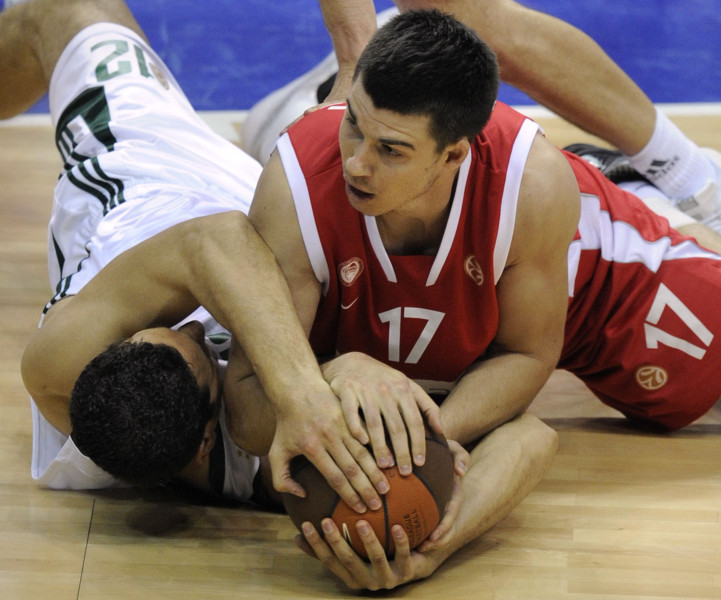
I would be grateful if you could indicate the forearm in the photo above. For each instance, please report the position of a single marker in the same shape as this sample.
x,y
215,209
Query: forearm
x,y
350,23
504,468
494,391
237,279
532,295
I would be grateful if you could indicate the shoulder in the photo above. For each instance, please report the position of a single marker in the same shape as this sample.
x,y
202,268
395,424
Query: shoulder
x,y
323,120
275,217
548,202
311,143
52,361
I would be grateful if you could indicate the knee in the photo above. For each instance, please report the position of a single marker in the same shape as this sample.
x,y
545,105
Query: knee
x,y
51,24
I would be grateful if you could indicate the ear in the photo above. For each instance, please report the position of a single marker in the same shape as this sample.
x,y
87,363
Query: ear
x,y
456,153
207,443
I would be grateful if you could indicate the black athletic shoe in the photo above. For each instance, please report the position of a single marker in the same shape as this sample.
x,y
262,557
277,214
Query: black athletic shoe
x,y
611,163
324,88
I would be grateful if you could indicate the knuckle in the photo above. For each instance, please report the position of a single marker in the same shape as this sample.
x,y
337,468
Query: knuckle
x,y
395,424
352,471
308,446
413,418
336,481
372,418
346,559
377,559
363,455
327,560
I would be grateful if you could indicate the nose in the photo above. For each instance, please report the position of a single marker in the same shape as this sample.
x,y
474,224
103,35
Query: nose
x,y
194,330
357,164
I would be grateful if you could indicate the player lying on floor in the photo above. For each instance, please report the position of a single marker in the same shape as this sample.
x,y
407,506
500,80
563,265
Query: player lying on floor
x,y
141,234
428,226
554,63
138,240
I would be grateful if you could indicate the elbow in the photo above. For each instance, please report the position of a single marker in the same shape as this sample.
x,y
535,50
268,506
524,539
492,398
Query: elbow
x,y
245,436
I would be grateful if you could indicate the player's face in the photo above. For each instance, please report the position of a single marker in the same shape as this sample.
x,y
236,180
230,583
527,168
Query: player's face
x,y
391,163
189,340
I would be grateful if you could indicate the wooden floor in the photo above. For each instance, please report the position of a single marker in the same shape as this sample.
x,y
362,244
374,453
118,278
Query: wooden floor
x,y
621,514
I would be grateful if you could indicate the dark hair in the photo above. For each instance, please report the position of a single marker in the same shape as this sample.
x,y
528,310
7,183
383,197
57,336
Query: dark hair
x,y
425,62
137,411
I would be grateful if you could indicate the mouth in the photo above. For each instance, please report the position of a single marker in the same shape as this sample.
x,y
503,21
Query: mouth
x,y
357,194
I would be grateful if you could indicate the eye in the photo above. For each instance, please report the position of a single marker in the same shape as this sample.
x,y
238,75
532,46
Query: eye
x,y
390,150
352,131
350,120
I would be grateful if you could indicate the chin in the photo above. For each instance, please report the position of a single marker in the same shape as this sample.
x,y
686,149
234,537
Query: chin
x,y
364,208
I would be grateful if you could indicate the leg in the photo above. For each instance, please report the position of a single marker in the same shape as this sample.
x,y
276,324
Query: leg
x,y
559,66
680,221
32,36
688,220
563,69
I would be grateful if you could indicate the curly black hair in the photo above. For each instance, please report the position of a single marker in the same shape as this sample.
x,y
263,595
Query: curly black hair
x,y
137,411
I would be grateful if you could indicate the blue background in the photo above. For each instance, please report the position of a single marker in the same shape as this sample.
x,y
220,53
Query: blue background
x,y
228,54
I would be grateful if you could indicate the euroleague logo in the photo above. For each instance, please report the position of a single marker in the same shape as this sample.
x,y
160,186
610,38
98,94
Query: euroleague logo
x,y
651,377
350,270
473,269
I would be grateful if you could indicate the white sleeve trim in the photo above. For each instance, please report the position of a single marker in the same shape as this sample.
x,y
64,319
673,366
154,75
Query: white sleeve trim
x,y
509,203
304,210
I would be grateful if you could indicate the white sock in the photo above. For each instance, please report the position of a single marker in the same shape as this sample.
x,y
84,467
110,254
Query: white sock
x,y
672,162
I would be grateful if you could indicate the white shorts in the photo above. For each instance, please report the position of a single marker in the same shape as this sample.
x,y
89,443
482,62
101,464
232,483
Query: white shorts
x,y
137,160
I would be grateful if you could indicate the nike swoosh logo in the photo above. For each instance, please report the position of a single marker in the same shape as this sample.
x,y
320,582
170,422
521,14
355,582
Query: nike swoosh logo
x,y
347,306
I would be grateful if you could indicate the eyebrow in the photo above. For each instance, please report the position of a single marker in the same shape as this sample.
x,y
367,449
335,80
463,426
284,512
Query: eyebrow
x,y
385,141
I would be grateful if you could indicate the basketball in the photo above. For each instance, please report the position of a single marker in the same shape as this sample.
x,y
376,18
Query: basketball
x,y
416,501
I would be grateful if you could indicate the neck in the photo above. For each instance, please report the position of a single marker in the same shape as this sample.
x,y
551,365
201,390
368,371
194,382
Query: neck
x,y
411,236
417,232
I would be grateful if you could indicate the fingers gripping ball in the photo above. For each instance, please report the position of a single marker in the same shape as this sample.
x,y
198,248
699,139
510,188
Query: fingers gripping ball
x,y
417,501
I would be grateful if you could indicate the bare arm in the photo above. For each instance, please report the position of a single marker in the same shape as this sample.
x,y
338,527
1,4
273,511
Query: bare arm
x,y
217,261
505,466
532,296
317,426
309,423
350,23
249,414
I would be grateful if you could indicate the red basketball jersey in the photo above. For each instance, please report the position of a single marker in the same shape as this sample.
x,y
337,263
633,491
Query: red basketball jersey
x,y
431,317
642,325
